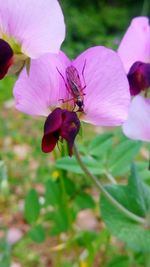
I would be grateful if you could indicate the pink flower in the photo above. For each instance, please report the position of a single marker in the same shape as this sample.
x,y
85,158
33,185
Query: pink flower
x,y
134,51
138,124
94,85
30,28
135,43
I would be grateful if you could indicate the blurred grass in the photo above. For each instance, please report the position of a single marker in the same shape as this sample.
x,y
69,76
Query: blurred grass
x,y
6,86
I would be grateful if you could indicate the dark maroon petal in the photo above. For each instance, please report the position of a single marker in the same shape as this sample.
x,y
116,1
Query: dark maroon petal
x,y
70,128
60,123
139,77
53,121
49,142
6,58
51,130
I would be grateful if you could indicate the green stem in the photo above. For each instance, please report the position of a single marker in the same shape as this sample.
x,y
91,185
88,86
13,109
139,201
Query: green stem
x,y
63,190
109,197
110,177
104,255
58,256
65,199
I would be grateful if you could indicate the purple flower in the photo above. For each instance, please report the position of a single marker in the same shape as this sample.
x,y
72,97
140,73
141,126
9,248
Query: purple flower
x,y
62,124
94,85
137,125
139,77
134,51
30,28
6,58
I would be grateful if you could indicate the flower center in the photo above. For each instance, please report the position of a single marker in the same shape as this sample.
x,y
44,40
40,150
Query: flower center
x,y
16,47
12,60
6,58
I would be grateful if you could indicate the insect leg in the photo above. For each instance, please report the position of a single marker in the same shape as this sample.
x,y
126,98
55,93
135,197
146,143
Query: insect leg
x,y
74,106
63,79
65,101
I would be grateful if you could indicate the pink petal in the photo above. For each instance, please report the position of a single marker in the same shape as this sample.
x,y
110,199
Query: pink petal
x,y
135,45
137,125
13,235
36,24
41,90
64,59
107,94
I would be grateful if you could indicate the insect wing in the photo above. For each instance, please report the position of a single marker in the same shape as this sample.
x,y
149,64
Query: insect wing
x,y
73,80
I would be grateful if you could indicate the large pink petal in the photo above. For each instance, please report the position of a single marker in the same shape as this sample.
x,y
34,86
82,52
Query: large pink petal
x,y
135,45
36,24
41,90
107,94
137,125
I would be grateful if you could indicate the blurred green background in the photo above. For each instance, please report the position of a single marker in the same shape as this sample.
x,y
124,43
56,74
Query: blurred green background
x,y
98,22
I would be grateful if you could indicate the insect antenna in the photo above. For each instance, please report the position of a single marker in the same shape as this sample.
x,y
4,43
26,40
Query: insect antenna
x,y
63,79
83,75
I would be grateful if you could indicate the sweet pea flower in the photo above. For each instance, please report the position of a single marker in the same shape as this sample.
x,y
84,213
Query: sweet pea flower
x,y
134,45
62,124
137,125
134,51
92,88
28,29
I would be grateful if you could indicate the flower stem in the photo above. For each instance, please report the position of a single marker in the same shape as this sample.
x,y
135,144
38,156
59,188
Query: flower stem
x,y
63,190
110,177
109,197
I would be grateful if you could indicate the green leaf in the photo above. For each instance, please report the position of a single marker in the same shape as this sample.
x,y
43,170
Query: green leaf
x,y
3,171
37,234
4,185
90,238
119,261
70,164
52,193
142,167
32,206
70,186
121,157
67,264
102,238
84,201
84,238
101,144
136,191
8,83
136,198
60,220
5,253
5,260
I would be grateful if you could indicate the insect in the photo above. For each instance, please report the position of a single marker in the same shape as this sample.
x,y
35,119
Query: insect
x,y
74,87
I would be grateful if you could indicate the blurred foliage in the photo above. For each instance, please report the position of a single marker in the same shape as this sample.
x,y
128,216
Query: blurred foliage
x,y
97,22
